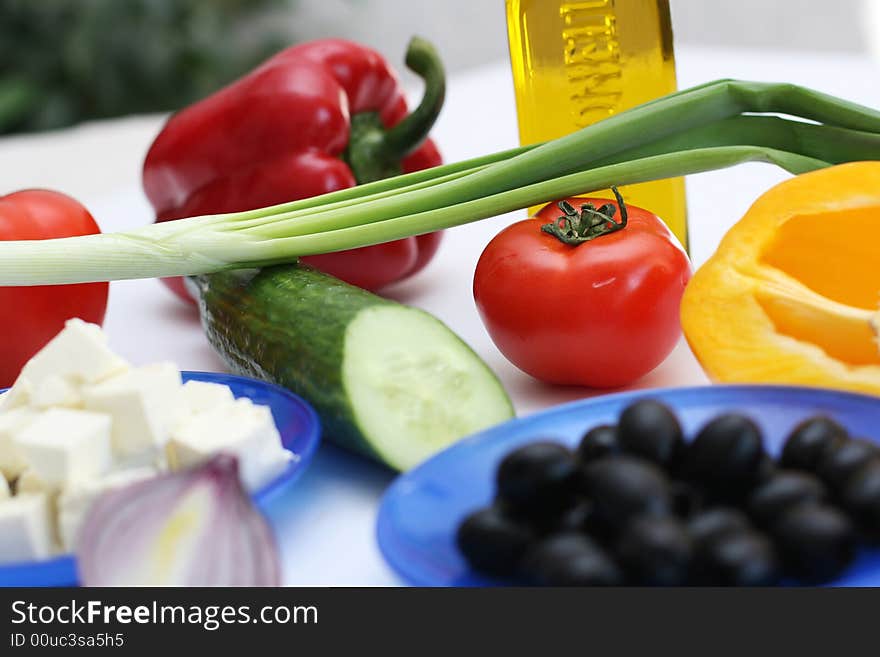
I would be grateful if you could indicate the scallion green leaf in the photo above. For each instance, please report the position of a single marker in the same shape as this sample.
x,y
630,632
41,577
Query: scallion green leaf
x,y
708,127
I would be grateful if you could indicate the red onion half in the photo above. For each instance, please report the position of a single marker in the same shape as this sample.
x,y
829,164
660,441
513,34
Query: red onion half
x,y
197,527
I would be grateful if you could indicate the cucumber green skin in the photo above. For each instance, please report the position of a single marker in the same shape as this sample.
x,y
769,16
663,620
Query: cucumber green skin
x,y
286,325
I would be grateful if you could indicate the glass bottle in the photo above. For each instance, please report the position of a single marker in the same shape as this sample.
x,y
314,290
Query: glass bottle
x,y
575,63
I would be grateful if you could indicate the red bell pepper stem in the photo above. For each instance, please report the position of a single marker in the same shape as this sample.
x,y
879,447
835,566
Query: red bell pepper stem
x,y
374,152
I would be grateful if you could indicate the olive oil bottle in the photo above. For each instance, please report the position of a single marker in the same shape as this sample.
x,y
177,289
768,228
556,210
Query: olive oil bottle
x,y
575,63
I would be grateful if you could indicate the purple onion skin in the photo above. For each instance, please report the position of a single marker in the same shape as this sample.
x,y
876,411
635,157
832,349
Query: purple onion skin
x,y
119,543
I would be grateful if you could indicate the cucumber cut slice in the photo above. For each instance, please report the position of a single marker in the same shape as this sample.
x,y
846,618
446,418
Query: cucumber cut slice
x,y
414,386
388,381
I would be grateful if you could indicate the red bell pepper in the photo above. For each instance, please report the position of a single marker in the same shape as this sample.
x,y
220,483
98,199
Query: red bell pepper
x,y
314,118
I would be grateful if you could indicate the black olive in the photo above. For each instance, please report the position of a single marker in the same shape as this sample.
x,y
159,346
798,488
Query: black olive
x,y
649,429
781,492
623,487
687,499
538,480
861,498
492,542
579,518
727,455
808,441
655,551
840,462
598,442
817,542
713,523
740,557
582,517
570,559
766,469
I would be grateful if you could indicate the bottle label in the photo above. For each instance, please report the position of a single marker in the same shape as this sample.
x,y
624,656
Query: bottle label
x,y
592,59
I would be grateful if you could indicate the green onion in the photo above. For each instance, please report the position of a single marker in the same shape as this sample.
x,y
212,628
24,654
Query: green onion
x,y
708,127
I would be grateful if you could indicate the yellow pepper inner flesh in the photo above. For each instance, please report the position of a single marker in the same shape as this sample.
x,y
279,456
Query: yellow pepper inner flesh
x,y
833,253
791,295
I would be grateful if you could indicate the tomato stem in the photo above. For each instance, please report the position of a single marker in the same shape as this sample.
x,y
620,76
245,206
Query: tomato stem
x,y
575,227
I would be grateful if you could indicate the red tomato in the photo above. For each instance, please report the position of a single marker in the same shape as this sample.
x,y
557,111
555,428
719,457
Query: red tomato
x,y
31,316
601,313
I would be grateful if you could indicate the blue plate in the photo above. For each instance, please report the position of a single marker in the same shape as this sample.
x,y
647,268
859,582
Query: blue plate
x,y
300,432
422,509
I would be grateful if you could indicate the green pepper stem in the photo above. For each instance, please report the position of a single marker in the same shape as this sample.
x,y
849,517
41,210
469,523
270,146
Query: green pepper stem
x,y
411,132
374,152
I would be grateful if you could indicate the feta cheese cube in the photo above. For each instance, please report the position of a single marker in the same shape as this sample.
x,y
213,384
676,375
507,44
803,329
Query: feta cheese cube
x,y
17,396
56,390
64,446
25,528
74,502
12,462
271,463
30,482
79,352
240,428
144,403
4,488
200,396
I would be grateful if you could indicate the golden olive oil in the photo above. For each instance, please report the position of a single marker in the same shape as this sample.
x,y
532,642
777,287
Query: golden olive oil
x,y
575,63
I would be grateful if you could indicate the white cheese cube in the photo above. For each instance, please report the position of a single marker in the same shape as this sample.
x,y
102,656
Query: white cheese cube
x,y
272,462
241,428
12,462
18,396
64,446
200,396
74,503
56,390
79,352
30,482
25,530
4,488
144,403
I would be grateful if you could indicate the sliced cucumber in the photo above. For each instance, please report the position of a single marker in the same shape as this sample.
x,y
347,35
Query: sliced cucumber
x,y
389,381
414,386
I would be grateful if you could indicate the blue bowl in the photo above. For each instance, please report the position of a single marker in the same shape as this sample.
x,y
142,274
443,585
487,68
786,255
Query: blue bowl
x,y
300,432
422,509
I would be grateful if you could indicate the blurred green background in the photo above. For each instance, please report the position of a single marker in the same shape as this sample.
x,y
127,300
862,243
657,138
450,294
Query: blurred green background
x,y
64,61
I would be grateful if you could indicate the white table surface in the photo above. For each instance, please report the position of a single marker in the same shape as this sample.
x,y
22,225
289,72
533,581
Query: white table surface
x,y
326,522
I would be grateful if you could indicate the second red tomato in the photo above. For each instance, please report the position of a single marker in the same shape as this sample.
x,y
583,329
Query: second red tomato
x,y
599,309
31,316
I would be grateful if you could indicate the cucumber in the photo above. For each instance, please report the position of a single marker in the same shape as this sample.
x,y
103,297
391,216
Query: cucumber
x,y
389,381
